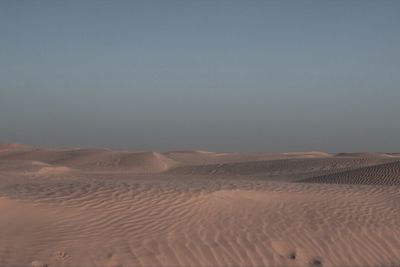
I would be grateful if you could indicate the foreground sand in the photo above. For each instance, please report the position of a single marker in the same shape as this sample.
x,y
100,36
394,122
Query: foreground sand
x,y
75,207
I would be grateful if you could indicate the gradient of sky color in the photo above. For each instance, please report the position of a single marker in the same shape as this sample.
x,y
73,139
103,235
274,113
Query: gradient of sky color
x,y
212,75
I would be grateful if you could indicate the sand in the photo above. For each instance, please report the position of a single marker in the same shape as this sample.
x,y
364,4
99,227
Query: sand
x,y
98,207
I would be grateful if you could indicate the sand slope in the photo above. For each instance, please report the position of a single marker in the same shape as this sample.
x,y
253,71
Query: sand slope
x,y
76,207
293,168
382,174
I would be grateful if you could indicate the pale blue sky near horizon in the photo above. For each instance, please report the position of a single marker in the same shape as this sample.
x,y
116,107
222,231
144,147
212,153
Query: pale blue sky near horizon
x,y
212,75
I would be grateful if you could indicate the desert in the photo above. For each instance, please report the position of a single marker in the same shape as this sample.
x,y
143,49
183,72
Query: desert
x,y
101,207
199,133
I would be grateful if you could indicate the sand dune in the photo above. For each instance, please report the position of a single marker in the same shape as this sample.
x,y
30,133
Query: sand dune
x,y
9,146
383,174
76,207
95,160
366,155
291,169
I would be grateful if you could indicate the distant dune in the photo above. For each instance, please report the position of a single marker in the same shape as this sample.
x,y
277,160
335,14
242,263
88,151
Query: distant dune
x,y
94,160
7,146
98,207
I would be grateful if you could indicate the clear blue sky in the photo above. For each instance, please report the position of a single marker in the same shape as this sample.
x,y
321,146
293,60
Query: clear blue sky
x,y
214,75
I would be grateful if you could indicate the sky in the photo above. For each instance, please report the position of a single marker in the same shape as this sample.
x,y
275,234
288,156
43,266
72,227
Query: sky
x,y
213,75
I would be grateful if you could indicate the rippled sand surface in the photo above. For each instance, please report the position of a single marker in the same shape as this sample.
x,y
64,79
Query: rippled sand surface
x,y
76,207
